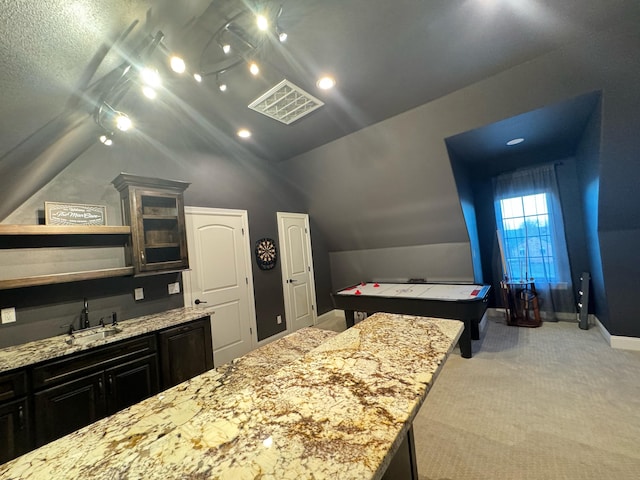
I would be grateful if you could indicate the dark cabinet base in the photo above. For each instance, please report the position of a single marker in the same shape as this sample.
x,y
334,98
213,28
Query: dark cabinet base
x,y
185,351
14,429
65,408
404,465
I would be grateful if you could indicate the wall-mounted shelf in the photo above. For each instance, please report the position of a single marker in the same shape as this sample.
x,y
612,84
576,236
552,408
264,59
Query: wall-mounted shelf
x,y
41,236
63,230
65,277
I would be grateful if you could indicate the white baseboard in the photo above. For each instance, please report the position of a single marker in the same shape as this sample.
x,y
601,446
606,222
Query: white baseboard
x,y
617,341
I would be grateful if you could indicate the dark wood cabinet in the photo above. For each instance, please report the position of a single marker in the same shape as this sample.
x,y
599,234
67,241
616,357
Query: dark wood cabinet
x,y
78,390
49,400
15,424
131,382
185,351
65,408
154,208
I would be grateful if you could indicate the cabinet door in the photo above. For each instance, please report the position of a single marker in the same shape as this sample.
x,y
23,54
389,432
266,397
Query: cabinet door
x,y
65,408
160,231
186,351
14,429
131,382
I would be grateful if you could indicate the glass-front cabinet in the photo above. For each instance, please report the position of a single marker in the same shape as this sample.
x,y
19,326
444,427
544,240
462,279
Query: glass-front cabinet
x,y
154,208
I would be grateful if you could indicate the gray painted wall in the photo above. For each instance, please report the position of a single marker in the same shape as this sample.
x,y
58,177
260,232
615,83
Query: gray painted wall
x,y
436,263
391,184
243,182
588,156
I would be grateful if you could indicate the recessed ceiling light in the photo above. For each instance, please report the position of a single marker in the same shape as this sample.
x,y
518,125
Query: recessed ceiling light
x,y
326,82
515,141
197,77
254,69
244,133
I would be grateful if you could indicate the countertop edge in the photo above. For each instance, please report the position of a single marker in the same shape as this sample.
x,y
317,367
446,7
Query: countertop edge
x,y
31,353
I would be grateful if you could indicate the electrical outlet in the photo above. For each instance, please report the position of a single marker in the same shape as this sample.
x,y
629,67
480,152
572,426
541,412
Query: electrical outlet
x,y
8,315
279,319
174,288
138,293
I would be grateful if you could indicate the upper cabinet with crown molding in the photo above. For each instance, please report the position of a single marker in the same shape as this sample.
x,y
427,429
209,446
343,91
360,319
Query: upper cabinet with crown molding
x,y
154,208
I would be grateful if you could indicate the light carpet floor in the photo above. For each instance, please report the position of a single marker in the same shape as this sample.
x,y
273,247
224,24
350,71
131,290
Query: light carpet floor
x,y
554,402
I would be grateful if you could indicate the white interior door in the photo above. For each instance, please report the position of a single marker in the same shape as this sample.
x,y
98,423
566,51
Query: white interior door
x,y
297,270
220,277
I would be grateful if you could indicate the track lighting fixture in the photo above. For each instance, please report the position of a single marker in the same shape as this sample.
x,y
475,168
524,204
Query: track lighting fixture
x,y
240,40
262,22
222,86
282,35
110,119
149,92
150,77
177,64
106,139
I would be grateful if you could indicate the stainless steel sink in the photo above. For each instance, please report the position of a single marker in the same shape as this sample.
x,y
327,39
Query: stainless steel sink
x,y
89,336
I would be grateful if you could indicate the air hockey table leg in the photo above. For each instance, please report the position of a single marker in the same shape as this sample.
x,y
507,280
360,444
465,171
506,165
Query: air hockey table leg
x,y
465,340
350,318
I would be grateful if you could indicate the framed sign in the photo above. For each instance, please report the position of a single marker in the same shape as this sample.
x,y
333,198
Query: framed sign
x,y
74,214
266,253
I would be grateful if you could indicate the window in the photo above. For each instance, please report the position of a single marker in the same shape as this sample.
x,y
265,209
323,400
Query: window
x,y
527,237
531,235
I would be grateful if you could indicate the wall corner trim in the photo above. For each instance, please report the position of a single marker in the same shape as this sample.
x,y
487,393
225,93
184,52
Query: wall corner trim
x,y
617,341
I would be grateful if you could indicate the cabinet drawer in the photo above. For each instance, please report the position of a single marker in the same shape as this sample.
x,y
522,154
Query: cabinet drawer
x,y
12,385
92,360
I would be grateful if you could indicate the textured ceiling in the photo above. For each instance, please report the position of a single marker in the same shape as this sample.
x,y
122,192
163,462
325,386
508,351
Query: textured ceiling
x,y
387,56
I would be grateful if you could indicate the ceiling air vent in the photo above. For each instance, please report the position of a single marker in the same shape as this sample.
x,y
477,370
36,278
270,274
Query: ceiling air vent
x,y
286,103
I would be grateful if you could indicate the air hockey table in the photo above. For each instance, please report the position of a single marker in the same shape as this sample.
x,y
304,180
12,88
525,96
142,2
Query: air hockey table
x,y
459,302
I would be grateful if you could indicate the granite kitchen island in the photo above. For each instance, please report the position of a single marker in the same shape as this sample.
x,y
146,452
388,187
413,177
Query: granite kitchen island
x,y
339,411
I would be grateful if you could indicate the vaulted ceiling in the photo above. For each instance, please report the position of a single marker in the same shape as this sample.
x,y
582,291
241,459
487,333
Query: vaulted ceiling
x,y
387,57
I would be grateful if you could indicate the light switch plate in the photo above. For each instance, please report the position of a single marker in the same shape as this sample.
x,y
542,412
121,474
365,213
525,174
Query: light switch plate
x,y
138,293
279,319
8,315
174,288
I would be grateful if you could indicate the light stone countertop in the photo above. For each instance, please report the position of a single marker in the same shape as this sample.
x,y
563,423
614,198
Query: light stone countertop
x,y
26,354
337,412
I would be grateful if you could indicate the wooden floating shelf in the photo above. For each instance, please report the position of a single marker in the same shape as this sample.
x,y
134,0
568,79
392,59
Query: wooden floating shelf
x,y
64,230
65,277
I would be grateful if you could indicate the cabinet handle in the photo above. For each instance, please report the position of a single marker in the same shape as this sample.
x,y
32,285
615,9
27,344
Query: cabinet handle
x,y
142,256
110,384
100,387
21,417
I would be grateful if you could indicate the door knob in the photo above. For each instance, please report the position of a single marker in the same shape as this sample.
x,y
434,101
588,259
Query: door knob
x,y
198,301
291,280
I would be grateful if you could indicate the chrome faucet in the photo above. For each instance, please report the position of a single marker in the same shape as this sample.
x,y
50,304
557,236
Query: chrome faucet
x,y
84,315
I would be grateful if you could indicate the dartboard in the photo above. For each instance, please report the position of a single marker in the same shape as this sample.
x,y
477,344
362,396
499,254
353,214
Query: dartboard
x,y
266,253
